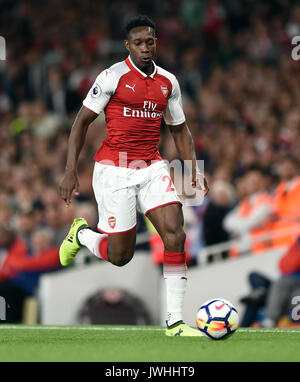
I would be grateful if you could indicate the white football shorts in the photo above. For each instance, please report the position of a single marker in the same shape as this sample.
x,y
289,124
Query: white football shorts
x,y
121,191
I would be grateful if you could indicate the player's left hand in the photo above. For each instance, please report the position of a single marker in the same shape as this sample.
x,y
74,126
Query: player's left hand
x,y
69,185
199,181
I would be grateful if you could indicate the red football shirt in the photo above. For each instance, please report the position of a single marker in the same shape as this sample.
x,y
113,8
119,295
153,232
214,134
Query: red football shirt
x,y
134,104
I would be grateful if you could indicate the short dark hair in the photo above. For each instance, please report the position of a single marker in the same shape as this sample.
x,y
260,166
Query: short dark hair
x,y
254,168
138,21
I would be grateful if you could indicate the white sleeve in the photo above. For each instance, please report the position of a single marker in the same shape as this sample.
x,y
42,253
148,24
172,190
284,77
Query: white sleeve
x,y
231,222
173,113
101,91
236,224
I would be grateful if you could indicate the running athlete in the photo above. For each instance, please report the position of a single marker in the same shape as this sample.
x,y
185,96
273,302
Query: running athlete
x,y
129,173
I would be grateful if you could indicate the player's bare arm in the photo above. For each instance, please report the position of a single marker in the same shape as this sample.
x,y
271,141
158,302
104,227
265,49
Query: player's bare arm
x,y
185,146
69,182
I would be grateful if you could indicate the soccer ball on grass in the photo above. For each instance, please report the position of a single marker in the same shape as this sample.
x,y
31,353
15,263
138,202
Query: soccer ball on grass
x,y
217,318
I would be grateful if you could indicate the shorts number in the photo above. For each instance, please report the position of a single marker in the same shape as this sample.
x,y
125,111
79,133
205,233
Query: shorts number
x,y
169,188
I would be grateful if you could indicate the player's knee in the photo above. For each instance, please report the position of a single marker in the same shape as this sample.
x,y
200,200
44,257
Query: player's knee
x,y
174,239
120,259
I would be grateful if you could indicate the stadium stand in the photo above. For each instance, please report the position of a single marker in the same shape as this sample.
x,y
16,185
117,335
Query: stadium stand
x,y
241,93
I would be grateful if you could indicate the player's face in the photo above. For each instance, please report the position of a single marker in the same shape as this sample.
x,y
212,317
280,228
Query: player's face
x,y
141,44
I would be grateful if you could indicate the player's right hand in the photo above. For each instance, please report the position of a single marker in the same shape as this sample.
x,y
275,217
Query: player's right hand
x,y
67,186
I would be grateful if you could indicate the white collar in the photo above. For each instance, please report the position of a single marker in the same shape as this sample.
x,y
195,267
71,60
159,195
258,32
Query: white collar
x,y
140,71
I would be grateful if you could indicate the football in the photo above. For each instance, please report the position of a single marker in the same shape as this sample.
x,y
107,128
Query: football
x,y
217,318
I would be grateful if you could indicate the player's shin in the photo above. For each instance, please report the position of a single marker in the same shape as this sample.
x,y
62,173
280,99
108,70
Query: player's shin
x,y
97,243
174,269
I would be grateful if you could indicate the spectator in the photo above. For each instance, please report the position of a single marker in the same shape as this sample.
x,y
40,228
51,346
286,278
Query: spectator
x,y
45,123
25,225
256,300
60,98
89,212
53,219
221,200
252,215
11,246
283,290
286,197
240,92
20,272
274,296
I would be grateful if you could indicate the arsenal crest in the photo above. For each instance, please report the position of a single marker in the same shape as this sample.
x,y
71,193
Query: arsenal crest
x,y
112,222
164,90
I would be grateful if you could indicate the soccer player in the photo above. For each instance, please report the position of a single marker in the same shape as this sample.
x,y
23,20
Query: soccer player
x,y
129,172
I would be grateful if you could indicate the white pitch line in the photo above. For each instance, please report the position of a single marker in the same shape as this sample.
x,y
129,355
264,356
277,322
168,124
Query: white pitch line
x,y
20,327
116,328
271,330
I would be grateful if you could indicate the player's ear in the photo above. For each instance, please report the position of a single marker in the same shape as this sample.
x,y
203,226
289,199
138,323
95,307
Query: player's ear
x,y
126,43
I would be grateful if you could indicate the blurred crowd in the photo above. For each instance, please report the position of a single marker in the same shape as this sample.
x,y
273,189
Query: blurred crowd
x,y
241,94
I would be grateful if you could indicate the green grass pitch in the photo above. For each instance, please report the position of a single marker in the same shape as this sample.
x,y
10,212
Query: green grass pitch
x,y
142,344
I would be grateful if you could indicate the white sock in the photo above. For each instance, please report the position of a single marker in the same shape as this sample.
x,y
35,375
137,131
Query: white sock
x,y
91,240
175,288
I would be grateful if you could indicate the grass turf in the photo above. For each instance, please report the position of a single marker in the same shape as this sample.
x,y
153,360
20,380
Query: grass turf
x,y
142,344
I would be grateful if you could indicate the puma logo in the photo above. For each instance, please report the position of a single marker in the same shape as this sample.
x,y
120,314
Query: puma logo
x,y
130,87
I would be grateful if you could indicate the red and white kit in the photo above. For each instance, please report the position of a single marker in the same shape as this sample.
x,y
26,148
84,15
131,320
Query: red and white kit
x,y
129,172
